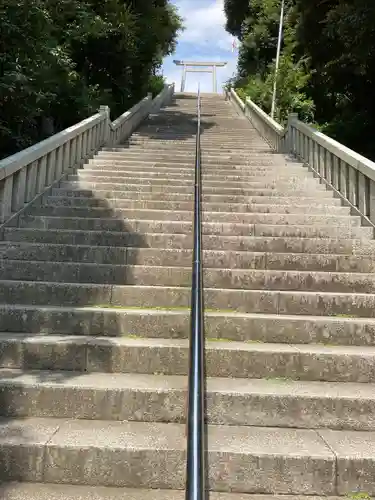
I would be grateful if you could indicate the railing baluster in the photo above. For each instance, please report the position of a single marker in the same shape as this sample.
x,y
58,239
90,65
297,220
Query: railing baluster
x,y
195,467
27,173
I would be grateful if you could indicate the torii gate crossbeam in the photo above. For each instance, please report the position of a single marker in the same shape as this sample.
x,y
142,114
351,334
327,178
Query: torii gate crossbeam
x,y
199,67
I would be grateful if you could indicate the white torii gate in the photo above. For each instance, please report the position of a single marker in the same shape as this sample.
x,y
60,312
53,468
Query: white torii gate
x,y
199,67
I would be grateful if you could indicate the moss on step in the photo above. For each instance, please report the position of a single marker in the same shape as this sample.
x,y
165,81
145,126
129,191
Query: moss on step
x,y
279,379
216,339
155,308
139,308
359,496
346,315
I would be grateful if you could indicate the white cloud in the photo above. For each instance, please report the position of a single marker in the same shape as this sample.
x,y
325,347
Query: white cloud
x,y
204,24
204,39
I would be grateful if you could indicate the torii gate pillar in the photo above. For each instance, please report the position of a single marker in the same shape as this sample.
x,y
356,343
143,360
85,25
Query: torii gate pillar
x,y
199,67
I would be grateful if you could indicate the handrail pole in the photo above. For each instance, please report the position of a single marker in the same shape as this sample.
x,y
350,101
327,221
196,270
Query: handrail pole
x,y
196,467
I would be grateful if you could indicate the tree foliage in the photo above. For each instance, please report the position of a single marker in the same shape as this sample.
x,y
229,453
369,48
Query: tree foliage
x,y
61,59
327,69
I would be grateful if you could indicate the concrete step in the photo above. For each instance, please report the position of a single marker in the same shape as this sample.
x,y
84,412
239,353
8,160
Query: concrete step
x,y
113,203
94,238
257,162
139,144
140,227
208,150
188,136
288,183
157,322
244,301
184,157
321,231
218,159
103,195
261,188
183,257
182,241
188,170
301,461
169,357
188,128
274,218
142,275
188,175
40,491
162,398
161,132
210,123
182,147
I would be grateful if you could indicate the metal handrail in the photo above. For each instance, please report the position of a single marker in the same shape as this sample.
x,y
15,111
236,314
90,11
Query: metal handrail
x,y
196,467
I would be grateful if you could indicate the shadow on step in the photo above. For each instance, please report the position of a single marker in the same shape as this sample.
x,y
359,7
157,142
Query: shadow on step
x,y
174,125
56,332
63,295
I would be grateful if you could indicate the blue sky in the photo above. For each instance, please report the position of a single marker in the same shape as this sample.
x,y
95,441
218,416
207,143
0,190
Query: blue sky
x,y
203,39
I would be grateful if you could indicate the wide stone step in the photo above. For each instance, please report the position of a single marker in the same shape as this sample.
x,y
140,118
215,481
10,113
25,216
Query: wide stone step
x,y
139,144
151,256
244,301
220,125
26,320
261,188
182,147
140,227
187,215
183,257
142,275
162,398
181,132
93,238
188,175
184,157
182,241
254,160
112,203
215,142
301,461
169,168
288,183
40,491
223,359
321,231
99,194
169,357
157,131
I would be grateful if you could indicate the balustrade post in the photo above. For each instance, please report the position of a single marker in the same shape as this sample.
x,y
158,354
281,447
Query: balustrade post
x,y
106,132
289,143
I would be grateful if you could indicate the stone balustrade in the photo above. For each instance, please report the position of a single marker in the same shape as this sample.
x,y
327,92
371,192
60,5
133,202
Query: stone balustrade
x,y
349,174
26,175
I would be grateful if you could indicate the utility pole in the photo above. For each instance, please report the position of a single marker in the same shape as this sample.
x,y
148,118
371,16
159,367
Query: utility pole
x,y
277,58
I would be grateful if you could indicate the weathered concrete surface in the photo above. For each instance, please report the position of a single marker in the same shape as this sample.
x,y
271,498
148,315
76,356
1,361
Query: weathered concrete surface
x,y
39,491
161,398
78,452
94,322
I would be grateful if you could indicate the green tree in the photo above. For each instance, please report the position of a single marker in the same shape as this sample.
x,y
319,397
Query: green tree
x,y
60,59
256,64
327,68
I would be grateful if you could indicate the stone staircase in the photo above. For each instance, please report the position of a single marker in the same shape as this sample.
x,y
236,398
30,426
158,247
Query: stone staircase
x,y
94,315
